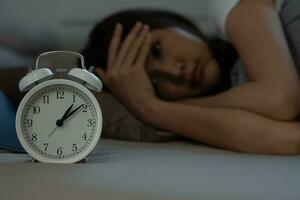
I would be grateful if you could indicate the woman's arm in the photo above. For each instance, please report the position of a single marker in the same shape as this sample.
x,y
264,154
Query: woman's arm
x,y
254,28
232,129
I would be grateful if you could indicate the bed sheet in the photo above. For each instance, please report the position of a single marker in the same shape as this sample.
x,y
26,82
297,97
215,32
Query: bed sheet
x,y
173,170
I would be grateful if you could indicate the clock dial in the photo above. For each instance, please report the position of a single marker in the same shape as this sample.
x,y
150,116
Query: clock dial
x,y
59,121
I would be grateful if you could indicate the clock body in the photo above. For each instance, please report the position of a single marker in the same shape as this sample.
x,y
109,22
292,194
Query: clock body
x,y
37,118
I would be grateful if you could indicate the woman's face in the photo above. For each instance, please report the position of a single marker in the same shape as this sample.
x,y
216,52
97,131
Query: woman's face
x,y
180,64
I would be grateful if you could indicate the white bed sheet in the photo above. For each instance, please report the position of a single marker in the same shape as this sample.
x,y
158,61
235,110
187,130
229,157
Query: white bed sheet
x,y
175,170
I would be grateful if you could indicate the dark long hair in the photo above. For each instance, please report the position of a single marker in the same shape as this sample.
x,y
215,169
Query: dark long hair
x,y
96,49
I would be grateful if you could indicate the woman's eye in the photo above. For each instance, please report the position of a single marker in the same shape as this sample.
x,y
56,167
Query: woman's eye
x,y
156,50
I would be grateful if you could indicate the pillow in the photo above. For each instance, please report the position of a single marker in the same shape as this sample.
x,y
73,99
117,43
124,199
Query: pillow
x,y
119,123
8,135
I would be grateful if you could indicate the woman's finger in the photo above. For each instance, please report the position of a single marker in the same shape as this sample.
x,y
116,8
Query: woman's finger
x,y
114,45
127,42
136,46
141,58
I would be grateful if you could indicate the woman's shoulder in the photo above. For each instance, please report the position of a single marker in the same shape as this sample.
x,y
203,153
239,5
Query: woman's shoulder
x,y
218,10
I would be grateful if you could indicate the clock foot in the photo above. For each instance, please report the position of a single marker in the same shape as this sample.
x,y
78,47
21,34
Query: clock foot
x,y
33,160
84,160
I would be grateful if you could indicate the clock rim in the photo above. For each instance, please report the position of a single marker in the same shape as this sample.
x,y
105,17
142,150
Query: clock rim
x,y
31,93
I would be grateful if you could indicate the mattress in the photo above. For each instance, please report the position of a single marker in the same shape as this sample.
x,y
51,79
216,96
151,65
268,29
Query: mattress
x,y
173,170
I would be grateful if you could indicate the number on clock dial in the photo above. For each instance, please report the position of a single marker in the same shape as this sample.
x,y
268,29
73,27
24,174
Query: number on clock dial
x,y
48,106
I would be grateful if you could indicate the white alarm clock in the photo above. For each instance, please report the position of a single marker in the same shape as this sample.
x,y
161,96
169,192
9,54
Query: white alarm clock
x,y
59,120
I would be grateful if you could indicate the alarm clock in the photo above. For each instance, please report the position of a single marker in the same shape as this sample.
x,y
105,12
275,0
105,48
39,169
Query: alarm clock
x,y
59,120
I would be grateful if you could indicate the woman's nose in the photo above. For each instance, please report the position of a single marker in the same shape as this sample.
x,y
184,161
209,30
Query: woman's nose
x,y
184,70
170,68
187,71
178,69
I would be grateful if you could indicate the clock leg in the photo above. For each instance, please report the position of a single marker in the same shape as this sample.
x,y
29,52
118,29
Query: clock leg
x,y
33,160
84,160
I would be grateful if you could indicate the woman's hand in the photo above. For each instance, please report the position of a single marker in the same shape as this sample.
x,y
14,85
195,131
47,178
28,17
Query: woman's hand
x,y
125,74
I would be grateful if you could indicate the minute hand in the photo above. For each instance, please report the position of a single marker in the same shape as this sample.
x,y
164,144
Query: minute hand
x,y
60,121
66,113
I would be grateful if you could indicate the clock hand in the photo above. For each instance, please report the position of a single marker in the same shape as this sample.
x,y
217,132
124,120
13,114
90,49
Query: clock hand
x,y
67,112
51,133
71,113
66,115
60,121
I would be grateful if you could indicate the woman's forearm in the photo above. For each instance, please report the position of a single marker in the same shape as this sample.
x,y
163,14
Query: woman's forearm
x,y
255,30
255,97
260,42
226,128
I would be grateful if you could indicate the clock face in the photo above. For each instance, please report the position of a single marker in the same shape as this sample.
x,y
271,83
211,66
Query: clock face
x,y
59,122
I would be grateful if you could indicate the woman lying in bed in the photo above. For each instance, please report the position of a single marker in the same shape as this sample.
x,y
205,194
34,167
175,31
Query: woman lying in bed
x,y
168,75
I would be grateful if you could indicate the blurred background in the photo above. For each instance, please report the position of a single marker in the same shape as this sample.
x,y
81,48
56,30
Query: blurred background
x,y
30,27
